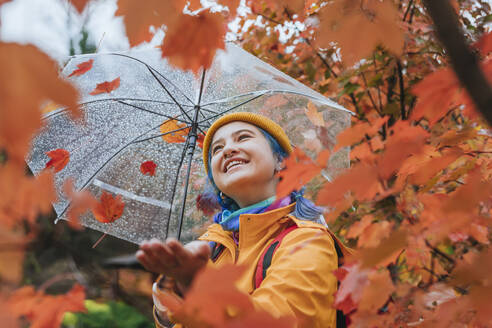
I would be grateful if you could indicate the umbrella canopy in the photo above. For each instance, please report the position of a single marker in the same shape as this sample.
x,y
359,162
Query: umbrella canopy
x,y
153,114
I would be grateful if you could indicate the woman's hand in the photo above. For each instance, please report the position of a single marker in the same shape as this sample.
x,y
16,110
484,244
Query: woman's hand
x,y
174,260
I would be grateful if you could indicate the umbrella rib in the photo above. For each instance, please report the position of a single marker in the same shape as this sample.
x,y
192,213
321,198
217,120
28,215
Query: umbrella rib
x,y
152,112
160,135
183,153
150,68
61,110
228,110
167,91
104,164
264,92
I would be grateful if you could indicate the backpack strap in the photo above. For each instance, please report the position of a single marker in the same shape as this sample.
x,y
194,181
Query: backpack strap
x,y
266,258
265,261
216,251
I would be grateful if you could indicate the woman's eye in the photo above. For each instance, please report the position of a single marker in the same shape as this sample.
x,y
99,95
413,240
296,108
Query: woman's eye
x,y
243,136
216,149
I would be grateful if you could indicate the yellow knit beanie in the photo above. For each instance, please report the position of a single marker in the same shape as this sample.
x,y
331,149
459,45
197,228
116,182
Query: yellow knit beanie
x,y
257,120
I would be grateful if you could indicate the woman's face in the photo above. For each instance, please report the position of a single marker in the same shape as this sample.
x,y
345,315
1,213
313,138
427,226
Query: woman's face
x,y
242,163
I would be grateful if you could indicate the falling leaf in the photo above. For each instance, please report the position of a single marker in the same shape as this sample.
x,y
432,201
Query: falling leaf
x,y
207,203
59,159
299,170
83,68
28,71
109,208
106,87
80,202
148,167
191,42
314,116
43,310
138,19
174,132
359,27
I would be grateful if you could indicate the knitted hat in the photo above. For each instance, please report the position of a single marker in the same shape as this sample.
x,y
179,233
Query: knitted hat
x,y
255,119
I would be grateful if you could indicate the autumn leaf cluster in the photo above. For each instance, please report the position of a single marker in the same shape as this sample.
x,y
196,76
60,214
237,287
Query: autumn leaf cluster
x,y
416,203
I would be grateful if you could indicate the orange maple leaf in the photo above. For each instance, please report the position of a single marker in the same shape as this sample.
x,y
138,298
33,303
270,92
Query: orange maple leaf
x,y
314,116
25,69
109,209
59,159
357,131
43,310
139,17
106,87
174,132
353,280
148,167
191,42
341,22
82,68
80,202
362,179
299,170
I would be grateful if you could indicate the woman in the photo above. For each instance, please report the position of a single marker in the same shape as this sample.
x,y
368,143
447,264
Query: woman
x,y
242,153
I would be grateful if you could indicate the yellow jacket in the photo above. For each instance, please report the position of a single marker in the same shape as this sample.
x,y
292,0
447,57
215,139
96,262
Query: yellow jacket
x,y
299,281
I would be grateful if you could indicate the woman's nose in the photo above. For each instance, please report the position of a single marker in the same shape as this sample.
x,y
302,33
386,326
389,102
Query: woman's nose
x,y
229,150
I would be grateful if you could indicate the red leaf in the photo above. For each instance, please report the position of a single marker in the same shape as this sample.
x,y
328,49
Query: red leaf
x,y
109,209
148,167
82,68
299,170
485,44
59,159
106,87
199,140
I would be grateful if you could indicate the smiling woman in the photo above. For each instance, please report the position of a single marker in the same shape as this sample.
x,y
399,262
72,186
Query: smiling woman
x,y
288,254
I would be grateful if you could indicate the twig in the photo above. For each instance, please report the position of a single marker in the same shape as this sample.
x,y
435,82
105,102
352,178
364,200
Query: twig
x,y
464,62
99,240
402,90
440,253
410,5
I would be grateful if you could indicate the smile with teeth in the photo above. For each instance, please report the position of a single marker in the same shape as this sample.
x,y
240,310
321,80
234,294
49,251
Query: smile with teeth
x,y
234,163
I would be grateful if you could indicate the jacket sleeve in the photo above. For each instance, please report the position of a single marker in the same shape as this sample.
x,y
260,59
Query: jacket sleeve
x,y
300,280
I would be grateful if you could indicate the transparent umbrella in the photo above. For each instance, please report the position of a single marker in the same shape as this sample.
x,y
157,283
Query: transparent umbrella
x,y
157,114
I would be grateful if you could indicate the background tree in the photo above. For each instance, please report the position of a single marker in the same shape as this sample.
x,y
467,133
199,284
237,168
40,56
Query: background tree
x,y
416,203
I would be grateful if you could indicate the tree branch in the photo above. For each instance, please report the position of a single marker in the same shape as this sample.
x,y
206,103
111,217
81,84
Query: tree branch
x,y
464,62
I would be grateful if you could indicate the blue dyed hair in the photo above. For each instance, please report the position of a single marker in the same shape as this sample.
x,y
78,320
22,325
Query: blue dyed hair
x,y
304,209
